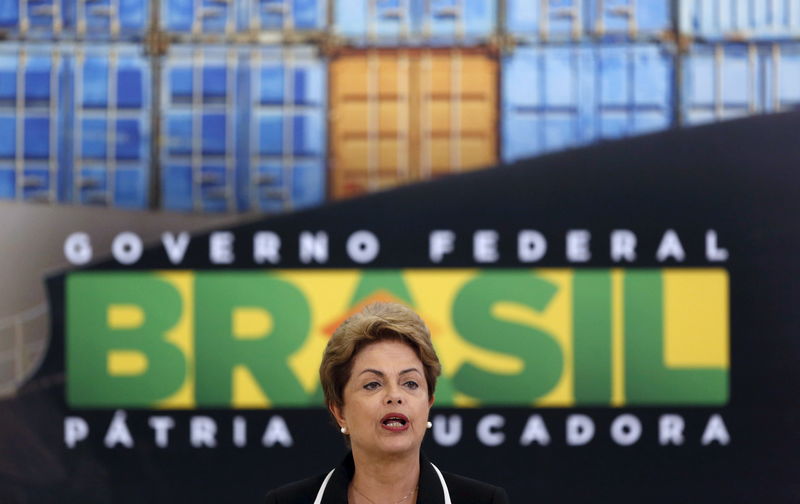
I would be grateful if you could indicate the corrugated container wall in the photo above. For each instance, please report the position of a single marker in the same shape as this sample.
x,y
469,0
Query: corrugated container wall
x,y
728,80
33,84
110,140
415,22
200,17
399,116
556,97
272,105
32,20
288,15
287,137
265,19
740,20
243,128
108,19
200,129
74,19
531,21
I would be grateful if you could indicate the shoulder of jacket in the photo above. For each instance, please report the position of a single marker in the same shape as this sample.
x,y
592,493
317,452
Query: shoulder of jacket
x,y
464,489
297,491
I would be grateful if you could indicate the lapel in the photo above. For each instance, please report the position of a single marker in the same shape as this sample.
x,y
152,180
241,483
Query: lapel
x,y
336,491
430,488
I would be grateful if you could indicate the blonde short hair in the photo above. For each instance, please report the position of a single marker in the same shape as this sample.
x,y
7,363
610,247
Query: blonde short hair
x,y
376,322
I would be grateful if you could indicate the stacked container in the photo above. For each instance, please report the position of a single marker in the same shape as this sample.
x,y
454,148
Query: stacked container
x,y
582,71
107,20
287,138
548,21
32,20
744,58
74,102
400,115
413,92
274,105
32,95
740,20
397,23
242,106
200,128
110,126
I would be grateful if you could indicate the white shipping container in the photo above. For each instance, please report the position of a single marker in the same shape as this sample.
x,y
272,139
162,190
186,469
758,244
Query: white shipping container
x,y
555,97
589,20
740,20
728,80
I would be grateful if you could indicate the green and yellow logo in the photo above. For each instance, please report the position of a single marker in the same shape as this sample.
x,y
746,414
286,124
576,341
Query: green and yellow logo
x,y
544,337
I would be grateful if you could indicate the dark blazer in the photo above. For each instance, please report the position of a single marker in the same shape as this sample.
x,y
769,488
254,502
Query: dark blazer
x,y
462,490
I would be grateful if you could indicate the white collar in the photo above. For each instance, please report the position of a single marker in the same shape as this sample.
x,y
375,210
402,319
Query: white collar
x,y
446,492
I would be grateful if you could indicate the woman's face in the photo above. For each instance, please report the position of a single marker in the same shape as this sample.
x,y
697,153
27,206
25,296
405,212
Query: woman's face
x,y
386,401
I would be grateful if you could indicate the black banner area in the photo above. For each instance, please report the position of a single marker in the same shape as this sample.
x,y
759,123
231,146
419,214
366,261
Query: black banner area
x,y
738,180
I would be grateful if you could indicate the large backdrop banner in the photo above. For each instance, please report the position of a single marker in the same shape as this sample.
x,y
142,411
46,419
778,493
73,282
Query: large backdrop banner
x,y
615,323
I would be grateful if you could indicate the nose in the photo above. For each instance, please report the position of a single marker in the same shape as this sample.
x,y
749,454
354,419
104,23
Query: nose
x,y
393,396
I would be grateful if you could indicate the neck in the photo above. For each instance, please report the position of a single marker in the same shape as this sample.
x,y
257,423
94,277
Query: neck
x,y
386,478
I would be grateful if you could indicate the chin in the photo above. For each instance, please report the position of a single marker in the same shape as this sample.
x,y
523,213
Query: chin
x,y
399,445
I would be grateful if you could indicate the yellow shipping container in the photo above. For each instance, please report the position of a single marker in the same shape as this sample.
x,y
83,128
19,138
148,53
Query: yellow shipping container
x,y
402,115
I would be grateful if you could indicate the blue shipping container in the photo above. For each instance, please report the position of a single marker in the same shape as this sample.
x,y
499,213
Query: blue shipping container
x,y
438,22
727,80
108,19
42,19
70,19
287,97
32,113
201,151
110,126
574,20
214,17
244,129
554,97
740,20
198,17
287,15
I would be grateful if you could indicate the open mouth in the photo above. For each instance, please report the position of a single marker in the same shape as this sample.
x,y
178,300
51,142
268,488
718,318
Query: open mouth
x,y
395,421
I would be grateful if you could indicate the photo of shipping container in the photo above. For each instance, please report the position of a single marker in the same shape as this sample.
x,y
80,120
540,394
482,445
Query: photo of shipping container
x,y
269,20
74,19
415,22
199,129
32,19
287,16
110,126
555,97
740,20
203,17
32,114
287,138
728,80
125,20
403,115
531,21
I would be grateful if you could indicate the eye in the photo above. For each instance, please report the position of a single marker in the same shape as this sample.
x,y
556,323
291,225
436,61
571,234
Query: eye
x,y
372,385
412,384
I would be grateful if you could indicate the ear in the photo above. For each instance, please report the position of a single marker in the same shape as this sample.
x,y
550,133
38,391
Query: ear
x,y
338,414
430,401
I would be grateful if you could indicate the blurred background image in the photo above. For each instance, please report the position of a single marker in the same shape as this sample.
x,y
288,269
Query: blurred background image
x,y
155,116
269,106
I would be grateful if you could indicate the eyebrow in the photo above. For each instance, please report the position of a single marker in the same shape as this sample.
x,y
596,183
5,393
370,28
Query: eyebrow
x,y
381,373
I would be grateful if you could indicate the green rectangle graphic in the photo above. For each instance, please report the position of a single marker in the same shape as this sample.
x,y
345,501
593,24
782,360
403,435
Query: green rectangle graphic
x,y
526,337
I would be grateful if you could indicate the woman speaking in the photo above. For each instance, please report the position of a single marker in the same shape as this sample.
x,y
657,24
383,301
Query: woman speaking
x,y
378,375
